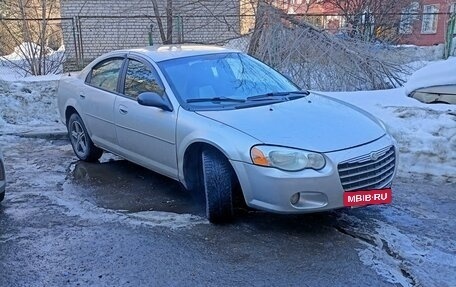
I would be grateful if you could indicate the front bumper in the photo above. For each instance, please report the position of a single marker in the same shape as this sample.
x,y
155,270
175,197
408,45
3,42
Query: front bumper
x,y
271,189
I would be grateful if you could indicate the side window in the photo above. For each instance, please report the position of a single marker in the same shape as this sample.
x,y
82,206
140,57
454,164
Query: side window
x,y
106,74
140,78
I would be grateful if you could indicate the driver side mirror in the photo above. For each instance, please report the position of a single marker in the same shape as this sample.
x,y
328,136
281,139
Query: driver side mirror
x,y
151,99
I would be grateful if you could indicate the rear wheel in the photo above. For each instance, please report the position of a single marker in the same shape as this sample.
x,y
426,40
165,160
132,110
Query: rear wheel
x,y
82,145
218,184
2,196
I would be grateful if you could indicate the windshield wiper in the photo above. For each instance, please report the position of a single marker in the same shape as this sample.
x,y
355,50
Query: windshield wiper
x,y
215,100
279,95
258,103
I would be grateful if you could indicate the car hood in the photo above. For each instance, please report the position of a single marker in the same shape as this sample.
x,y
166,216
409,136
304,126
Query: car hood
x,y
315,123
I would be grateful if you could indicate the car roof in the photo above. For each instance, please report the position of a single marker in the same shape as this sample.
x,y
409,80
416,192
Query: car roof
x,y
160,53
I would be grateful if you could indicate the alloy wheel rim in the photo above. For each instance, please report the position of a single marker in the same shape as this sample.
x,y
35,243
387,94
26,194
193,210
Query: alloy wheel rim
x,y
78,139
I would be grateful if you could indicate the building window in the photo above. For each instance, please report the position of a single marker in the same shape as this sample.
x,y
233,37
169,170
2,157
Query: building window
x,y
430,19
453,8
408,17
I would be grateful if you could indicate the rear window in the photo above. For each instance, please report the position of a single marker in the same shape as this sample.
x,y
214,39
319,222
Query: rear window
x,y
105,75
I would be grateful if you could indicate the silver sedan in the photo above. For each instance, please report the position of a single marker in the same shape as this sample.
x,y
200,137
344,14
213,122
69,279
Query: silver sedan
x,y
228,126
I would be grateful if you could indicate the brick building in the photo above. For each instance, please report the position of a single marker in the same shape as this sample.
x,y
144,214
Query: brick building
x,y
430,26
423,23
93,27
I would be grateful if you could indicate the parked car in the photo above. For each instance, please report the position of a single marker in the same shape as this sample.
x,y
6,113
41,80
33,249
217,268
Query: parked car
x,y
434,83
436,94
2,177
220,121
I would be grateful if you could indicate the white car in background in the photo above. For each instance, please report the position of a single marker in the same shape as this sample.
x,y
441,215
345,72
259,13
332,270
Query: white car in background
x,y
434,83
224,124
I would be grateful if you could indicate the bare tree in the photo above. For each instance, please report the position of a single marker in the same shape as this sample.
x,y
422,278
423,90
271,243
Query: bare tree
x,y
30,30
370,20
316,59
166,38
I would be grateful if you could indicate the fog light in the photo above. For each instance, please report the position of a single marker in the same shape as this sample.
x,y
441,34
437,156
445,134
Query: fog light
x,y
295,198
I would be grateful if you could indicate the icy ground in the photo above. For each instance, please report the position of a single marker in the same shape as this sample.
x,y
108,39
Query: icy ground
x,y
52,203
29,106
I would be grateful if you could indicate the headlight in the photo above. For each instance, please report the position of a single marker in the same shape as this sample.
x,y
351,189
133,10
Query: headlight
x,y
286,158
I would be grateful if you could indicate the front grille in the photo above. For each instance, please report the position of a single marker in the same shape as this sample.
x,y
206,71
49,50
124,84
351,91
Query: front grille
x,y
371,171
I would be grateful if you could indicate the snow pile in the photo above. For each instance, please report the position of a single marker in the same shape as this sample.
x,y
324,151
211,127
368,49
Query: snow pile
x,y
29,106
19,63
435,74
27,50
420,53
426,134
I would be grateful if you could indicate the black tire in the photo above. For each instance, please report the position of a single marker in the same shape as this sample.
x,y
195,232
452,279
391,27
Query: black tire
x,y
2,196
218,185
82,145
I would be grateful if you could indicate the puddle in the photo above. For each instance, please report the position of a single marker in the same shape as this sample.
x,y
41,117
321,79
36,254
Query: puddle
x,y
120,185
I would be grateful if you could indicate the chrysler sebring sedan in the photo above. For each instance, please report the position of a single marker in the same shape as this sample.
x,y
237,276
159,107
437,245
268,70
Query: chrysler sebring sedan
x,y
228,126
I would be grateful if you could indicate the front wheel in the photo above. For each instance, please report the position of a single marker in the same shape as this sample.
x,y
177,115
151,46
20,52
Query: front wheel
x,y
218,185
82,145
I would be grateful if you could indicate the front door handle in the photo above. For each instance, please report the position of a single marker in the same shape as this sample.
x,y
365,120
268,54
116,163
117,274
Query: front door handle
x,y
82,96
123,110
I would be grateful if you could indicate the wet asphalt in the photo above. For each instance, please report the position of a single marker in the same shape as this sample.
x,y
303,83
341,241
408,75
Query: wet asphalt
x,y
113,223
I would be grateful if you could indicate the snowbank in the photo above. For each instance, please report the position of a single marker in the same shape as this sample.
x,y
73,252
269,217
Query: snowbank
x,y
29,106
27,50
18,64
421,53
435,74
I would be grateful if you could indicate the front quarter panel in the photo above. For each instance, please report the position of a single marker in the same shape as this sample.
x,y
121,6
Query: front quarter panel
x,y
195,128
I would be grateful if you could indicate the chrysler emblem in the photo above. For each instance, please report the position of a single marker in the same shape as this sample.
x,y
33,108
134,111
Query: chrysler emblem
x,y
374,155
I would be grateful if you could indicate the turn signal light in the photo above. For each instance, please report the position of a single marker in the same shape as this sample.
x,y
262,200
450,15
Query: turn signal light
x,y
258,157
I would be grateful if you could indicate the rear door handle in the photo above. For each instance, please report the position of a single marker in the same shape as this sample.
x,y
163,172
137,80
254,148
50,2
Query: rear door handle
x,y
82,96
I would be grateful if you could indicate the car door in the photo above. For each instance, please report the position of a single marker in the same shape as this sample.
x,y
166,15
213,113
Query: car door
x,y
98,99
146,135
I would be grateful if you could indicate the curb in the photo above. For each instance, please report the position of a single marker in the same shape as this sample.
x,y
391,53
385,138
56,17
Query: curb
x,y
58,135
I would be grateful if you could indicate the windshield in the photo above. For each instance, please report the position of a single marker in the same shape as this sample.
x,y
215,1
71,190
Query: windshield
x,y
223,80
